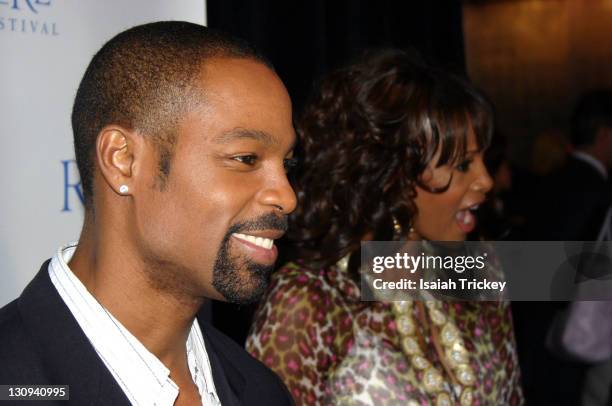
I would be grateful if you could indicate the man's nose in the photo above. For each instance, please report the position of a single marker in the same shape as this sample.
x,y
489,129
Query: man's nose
x,y
280,194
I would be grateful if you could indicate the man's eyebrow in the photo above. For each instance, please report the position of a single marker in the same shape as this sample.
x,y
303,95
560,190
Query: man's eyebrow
x,y
241,133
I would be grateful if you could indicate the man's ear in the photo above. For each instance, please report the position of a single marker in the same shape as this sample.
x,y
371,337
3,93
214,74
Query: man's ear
x,y
116,151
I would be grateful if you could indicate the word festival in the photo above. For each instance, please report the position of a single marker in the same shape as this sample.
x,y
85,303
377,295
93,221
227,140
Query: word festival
x,y
19,22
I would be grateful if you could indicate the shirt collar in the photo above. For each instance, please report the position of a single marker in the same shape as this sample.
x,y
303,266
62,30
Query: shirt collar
x,y
142,376
591,160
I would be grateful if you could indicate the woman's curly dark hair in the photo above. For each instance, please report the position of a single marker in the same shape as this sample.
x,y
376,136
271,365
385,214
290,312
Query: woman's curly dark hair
x,y
365,138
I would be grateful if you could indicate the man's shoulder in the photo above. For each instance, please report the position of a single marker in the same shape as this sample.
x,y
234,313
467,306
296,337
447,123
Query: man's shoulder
x,y
576,184
12,330
259,379
582,173
19,355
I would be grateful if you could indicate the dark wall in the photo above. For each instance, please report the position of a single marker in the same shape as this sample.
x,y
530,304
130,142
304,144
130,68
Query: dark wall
x,y
305,39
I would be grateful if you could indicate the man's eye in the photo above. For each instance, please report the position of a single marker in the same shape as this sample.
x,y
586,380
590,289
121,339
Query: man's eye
x,y
246,159
290,163
464,166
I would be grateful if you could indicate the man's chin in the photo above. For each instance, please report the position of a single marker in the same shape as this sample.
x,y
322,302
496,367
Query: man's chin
x,y
245,286
245,296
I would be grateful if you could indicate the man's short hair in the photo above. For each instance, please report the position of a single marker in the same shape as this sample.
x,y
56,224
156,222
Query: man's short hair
x,y
593,111
143,79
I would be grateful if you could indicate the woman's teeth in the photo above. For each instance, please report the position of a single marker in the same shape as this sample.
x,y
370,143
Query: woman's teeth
x,y
466,219
259,241
464,216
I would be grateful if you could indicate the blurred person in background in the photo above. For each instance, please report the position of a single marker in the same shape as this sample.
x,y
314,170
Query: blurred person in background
x,y
575,199
583,331
570,204
392,149
549,153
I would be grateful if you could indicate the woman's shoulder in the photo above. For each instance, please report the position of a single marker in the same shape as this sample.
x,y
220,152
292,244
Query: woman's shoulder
x,y
307,298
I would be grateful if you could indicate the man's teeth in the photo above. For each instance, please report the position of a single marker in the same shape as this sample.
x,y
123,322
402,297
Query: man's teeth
x,y
259,241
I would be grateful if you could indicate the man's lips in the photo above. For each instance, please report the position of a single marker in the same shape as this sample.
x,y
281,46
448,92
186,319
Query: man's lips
x,y
259,247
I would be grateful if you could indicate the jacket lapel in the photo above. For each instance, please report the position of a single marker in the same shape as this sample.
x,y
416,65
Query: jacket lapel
x,y
68,356
229,381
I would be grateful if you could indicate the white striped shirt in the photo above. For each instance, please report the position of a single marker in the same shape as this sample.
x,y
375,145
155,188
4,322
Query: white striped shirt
x,y
141,375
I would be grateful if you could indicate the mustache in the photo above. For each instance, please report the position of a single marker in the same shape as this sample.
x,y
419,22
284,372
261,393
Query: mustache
x,y
269,221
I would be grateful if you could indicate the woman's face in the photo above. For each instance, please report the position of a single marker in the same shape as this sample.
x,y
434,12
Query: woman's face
x,y
449,216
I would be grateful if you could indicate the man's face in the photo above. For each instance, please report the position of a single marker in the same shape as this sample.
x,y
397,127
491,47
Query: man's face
x,y
209,230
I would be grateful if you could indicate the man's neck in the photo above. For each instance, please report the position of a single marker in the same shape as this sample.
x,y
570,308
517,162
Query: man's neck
x,y
117,279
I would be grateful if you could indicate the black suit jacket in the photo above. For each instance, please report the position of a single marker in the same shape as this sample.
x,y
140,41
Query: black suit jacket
x,y
42,343
571,205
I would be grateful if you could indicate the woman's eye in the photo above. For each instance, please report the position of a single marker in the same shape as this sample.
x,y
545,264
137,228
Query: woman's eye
x,y
464,166
290,163
246,159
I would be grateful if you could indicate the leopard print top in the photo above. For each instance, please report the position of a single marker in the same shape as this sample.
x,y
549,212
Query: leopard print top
x,y
332,349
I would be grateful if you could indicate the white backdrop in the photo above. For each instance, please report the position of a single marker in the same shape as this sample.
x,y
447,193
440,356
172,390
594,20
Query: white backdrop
x,y
45,46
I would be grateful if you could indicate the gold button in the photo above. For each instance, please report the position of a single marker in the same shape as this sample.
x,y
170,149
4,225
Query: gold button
x,y
443,399
403,306
432,380
457,355
467,397
449,334
420,362
437,317
410,346
465,375
405,325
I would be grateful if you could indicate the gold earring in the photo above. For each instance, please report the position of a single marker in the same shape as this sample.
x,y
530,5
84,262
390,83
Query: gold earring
x,y
397,230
